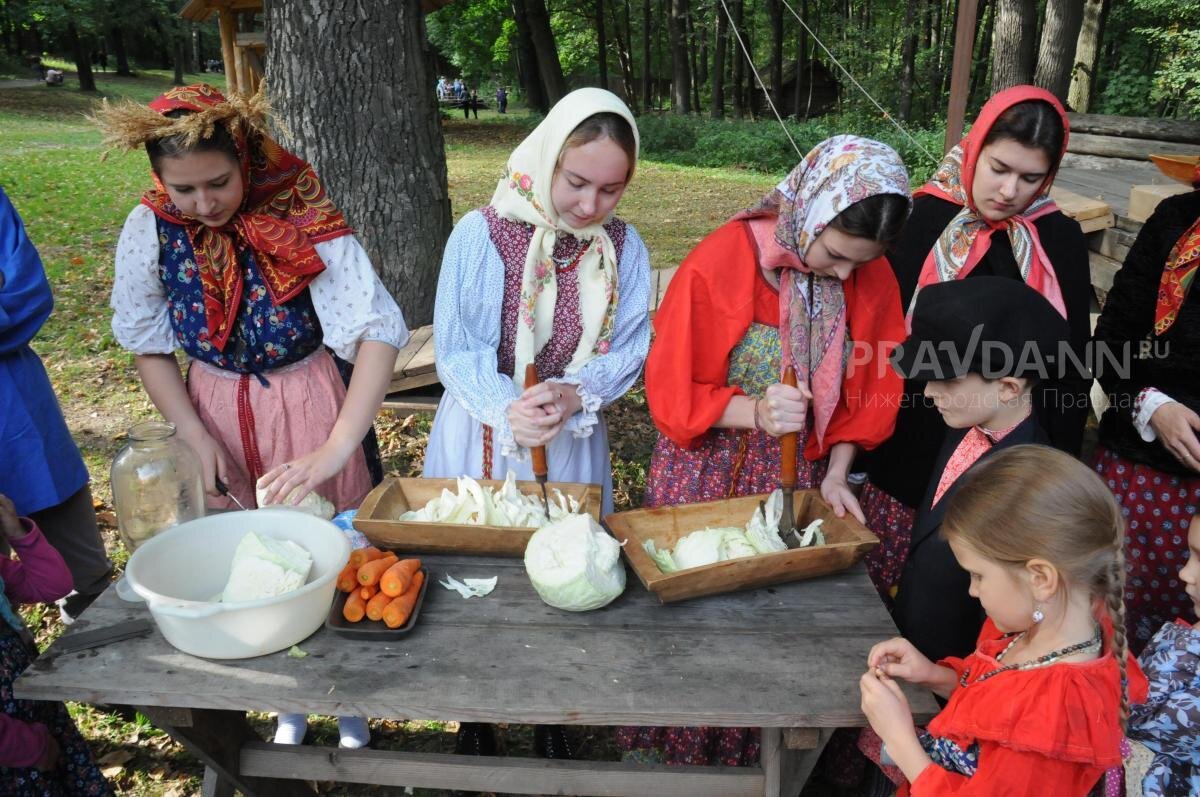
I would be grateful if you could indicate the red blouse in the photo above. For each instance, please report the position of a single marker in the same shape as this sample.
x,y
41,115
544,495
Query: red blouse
x,y
718,292
1048,730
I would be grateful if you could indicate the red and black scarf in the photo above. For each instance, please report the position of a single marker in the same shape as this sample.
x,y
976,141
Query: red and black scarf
x,y
284,212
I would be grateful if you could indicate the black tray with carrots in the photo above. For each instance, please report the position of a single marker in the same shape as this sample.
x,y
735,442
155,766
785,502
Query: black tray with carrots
x,y
379,596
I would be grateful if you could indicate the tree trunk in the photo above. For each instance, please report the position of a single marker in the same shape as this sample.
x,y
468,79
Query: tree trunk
x,y
1012,44
983,48
908,61
601,44
195,55
1087,51
693,47
549,66
681,83
739,60
180,57
82,57
373,133
622,34
647,66
775,14
1056,57
118,39
527,62
718,65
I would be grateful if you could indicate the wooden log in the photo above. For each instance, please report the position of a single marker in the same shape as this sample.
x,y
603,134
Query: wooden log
x,y
228,25
1112,243
508,775
1177,130
960,70
1131,148
1103,270
1143,199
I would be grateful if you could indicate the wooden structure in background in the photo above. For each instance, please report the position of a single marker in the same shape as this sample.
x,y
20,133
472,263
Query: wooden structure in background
x,y
244,51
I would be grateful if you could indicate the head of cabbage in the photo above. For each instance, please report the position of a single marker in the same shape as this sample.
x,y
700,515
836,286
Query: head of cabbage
x,y
574,565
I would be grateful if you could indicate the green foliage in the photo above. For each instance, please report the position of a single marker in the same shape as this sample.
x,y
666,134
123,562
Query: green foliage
x,y
474,36
764,147
1157,66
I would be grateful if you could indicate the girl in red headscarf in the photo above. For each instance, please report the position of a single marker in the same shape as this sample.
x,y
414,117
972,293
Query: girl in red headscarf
x,y
238,257
1149,451
986,211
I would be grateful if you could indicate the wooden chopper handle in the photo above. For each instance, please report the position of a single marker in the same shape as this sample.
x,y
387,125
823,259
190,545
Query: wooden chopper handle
x,y
787,444
539,452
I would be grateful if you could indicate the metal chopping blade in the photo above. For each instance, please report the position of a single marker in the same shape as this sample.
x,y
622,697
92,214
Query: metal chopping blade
x,y
223,489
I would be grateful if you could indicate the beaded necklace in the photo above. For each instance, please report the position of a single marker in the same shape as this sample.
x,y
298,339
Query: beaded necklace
x,y
1093,644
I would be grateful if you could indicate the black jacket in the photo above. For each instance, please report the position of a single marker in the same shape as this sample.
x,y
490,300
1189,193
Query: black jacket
x,y
1128,320
901,466
933,609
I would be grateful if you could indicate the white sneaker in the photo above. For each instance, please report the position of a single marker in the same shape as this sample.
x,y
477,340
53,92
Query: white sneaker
x,y
355,732
291,728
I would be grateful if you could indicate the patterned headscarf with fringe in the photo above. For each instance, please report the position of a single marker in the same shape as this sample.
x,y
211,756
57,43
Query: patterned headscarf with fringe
x,y
968,236
284,212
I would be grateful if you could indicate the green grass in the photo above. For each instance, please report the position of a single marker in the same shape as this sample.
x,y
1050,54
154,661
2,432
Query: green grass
x,y
74,204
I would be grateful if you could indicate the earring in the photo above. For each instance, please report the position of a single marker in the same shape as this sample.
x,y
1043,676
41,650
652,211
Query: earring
x,y
1038,614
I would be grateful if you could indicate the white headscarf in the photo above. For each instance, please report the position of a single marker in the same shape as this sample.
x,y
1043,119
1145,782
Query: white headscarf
x,y
523,194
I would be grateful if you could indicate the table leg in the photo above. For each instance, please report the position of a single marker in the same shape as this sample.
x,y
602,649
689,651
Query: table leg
x,y
214,785
216,738
787,770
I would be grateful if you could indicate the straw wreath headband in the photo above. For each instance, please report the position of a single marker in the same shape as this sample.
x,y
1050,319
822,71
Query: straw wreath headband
x,y
128,125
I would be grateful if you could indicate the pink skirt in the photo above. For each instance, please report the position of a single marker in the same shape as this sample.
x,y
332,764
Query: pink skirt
x,y
262,427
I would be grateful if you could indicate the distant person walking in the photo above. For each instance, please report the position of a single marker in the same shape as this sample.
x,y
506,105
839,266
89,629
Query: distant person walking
x,y
471,104
502,99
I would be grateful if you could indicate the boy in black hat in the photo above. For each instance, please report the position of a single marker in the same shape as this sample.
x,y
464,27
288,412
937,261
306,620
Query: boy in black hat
x,y
981,345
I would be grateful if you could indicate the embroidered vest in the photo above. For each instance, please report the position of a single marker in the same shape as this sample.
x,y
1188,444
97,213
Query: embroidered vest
x,y
512,239
265,336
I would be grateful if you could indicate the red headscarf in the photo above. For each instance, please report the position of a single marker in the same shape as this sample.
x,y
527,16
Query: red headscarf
x,y
1179,273
284,211
968,235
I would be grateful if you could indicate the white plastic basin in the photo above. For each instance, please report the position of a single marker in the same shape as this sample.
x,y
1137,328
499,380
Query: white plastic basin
x,y
179,571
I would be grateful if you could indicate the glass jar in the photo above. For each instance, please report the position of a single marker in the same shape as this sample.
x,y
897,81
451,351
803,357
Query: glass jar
x,y
157,483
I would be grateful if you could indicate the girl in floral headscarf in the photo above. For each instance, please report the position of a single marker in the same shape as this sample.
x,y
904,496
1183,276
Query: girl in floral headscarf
x,y
796,281
986,212
238,257
543,274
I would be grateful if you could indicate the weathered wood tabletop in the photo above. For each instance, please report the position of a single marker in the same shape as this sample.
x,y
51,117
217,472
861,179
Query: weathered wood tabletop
x,y
777,658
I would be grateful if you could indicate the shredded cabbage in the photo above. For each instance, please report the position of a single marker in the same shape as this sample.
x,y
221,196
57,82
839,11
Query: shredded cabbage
x,y
574,565
476,505
710,545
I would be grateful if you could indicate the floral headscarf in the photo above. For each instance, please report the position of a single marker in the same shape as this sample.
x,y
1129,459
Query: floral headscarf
x,y
284,211
523,194
968,235
834,175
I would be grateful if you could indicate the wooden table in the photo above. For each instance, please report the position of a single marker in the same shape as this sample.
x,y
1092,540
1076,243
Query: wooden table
x,y
786,659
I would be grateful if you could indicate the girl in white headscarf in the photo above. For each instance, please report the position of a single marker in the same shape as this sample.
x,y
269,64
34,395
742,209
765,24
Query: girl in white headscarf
x,y
543,274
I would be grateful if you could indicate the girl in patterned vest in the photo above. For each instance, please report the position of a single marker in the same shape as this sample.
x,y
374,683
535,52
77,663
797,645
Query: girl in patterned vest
x,y
238,257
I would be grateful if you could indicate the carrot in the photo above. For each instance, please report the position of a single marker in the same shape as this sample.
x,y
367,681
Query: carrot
x,y
396,578
347,580
360,556
376,605
370,573
355,607
367,592
396,613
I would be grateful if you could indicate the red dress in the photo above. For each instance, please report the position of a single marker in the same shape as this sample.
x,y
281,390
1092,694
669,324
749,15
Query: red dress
x,y
709,318
1050,730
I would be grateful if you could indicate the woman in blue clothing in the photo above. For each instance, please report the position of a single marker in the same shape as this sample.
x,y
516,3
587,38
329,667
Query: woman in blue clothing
x,y
40,467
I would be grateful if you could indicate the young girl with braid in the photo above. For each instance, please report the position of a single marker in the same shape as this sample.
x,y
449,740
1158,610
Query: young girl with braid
x,y
1040,706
